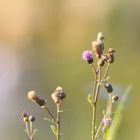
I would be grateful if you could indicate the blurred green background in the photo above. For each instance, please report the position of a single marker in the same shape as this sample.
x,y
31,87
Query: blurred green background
x,y
41,43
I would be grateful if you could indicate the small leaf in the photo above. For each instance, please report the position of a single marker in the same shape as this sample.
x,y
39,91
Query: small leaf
x,y
89,99
54,130
61,111
49,120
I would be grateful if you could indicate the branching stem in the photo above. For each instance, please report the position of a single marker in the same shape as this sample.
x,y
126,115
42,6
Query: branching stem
x,y
46,108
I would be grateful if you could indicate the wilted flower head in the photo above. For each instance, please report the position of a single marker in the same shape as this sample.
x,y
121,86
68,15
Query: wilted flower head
x,y
110,54
58,95
32,95
87,56
98,45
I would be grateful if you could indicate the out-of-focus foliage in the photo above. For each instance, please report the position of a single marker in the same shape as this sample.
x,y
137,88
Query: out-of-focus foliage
x,y
40,47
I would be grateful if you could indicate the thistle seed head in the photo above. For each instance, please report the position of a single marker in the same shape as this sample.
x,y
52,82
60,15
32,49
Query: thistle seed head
x,y
58,95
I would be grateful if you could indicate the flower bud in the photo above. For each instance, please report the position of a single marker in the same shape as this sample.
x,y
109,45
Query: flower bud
x,y
115,98
40,101
24,114
88,56
31,118
25,117
109,88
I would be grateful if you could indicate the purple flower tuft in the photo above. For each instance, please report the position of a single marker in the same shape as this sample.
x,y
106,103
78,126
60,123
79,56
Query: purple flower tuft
x,y
88,56
106,123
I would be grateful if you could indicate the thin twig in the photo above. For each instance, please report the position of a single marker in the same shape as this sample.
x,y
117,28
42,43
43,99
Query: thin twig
x,y
50,114
106,72
95,92
98,86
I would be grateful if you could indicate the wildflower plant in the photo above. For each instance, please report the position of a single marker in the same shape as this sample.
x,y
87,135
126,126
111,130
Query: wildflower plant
x,y
100,63
54,120
97,59
28,120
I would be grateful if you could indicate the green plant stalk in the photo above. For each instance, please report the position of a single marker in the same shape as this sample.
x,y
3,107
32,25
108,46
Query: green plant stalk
x,y
105,74
95,81
46,108
93,122
58,122
29,131
97,84
96,89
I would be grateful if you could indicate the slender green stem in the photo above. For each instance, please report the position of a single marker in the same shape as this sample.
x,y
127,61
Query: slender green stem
x,y
95,81
109,106
93,122
29,131
96,88
93,69
31,127
50,114
105,74
58,122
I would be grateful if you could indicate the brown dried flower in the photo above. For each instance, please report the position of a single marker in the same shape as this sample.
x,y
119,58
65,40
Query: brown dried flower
x,y
58,95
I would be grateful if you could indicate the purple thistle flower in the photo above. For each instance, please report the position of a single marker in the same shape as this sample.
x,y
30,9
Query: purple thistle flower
x,y
87,56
